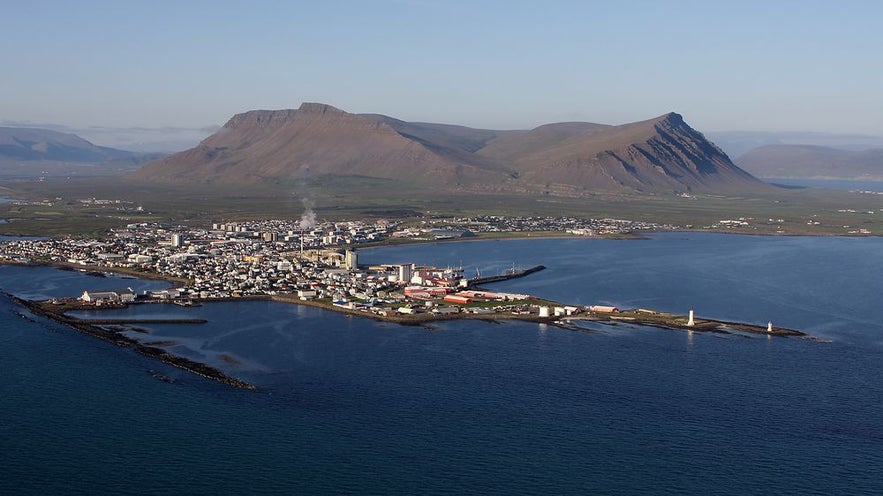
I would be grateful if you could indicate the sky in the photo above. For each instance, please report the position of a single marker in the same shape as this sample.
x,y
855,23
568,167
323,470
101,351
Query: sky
x,y
724,65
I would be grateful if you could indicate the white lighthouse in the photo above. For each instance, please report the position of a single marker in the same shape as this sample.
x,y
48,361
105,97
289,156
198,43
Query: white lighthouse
x,y
690,322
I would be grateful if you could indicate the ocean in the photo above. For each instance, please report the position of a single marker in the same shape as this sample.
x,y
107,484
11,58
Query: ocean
x,y
347,405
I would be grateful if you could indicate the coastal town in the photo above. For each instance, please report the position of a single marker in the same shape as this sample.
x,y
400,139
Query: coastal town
x,y
317,264
307,261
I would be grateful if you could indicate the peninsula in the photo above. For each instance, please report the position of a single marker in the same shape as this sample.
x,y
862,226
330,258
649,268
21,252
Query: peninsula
x,y
313,264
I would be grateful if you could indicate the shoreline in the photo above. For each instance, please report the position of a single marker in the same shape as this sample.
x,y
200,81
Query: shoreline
x,y
94,327
114,336
641,236
652,318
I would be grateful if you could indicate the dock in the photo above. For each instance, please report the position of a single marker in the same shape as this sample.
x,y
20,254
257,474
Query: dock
x,y
510,274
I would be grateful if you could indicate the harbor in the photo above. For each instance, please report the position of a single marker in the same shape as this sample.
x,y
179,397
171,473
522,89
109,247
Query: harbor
x,y
104,329
509,274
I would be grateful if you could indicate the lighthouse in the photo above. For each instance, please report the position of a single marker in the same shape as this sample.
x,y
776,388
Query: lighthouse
x,y
690,322
769,326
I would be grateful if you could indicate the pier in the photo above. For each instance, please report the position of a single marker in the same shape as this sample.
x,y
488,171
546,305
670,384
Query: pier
x,y
510,274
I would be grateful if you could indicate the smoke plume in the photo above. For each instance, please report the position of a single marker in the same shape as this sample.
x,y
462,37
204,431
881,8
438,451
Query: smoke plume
x,y
308,219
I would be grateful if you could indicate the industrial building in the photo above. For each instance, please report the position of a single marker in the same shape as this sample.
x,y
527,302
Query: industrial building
x,y
126,296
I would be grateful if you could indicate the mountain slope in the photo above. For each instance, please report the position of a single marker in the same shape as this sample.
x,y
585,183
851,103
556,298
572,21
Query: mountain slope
x,y
813,162
657,155
314,140
661,154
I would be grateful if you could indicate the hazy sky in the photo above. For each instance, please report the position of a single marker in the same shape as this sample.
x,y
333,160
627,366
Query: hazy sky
x,y
725,65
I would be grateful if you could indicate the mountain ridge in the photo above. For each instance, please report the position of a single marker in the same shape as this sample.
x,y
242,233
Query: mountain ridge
x,y
662,154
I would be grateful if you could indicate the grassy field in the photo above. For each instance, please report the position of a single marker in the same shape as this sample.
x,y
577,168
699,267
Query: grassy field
x,y
83,207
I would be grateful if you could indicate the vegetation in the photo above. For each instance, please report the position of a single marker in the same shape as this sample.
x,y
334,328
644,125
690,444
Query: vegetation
x,y
82,207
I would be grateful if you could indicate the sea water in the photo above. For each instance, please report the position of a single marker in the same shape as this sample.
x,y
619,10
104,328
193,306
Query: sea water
x,y
351,405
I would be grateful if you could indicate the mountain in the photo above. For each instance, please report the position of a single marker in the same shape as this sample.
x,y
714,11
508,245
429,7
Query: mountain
x,y
574,158
813,162
27,144
657,155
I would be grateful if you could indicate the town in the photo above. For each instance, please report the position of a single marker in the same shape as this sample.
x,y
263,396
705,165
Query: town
x,y
305,261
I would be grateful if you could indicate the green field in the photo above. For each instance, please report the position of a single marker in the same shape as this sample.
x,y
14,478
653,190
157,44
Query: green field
x,y
56,207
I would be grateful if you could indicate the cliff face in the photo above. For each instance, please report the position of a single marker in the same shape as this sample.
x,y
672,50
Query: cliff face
x,y
662,154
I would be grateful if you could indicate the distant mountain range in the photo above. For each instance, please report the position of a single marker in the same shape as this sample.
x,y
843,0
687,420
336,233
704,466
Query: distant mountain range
x,y
738,143
813,162
44,144
27,153
663,154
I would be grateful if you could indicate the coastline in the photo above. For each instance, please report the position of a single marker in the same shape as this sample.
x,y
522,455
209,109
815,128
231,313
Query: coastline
x,y
95,327
114,336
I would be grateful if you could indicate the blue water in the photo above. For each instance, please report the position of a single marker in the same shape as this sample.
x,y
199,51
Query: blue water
x,y
349,405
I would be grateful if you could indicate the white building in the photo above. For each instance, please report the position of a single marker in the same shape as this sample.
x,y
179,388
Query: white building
x,y
127,296
352,260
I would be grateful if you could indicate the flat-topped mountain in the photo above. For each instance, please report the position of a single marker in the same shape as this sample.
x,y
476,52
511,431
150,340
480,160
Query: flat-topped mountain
x,y
813,162
574,158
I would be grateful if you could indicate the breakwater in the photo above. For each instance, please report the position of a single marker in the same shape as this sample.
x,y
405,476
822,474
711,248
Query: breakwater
x,y
510,274
668,320
644,317
142,321
93,328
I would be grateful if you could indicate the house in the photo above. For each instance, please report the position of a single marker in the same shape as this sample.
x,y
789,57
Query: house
x,y
603,309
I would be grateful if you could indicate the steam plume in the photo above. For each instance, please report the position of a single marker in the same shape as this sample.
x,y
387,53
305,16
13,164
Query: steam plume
x,y
308,219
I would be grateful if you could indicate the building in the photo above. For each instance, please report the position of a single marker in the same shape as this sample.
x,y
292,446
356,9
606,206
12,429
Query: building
x,y
405,271
603,309
307,294
126,296
177,241
352,260
457,299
